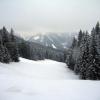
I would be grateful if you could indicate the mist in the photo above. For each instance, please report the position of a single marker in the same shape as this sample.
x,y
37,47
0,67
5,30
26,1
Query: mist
x,y
32,16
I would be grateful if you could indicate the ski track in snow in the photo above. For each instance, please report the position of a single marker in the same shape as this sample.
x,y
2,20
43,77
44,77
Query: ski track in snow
x,y
44,80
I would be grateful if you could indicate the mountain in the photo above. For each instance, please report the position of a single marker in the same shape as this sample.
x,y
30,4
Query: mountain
x,y
55,40
36,51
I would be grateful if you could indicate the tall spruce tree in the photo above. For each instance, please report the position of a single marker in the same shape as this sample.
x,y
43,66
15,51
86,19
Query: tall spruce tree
x,y
74,43
4,40
96,31
13,48
84,59
97,28
6,56
80,37
80,49
70,61
5,36
93,71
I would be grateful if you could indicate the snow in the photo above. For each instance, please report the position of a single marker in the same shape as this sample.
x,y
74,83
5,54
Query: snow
x,y
50,38
53,46
44,80
36,38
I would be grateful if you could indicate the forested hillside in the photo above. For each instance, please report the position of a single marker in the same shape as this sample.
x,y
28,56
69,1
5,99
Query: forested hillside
x,y
12,46
34,51
84,54
8,46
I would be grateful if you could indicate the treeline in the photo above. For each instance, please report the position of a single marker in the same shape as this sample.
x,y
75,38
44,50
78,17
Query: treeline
x,y
84,54
34,51
11,47
8,46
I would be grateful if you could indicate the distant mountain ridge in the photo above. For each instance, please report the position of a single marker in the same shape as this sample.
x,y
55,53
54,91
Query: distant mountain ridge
x,y
54,40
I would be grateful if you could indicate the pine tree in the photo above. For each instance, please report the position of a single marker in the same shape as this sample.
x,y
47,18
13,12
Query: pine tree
x,y
6,56
78,61
97,28
74,43
80,35
70,61
80,65
93,70
12,47
96,32
84,56
5,36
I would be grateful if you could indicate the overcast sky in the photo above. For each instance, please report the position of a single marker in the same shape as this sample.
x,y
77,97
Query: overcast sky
x,y
30,16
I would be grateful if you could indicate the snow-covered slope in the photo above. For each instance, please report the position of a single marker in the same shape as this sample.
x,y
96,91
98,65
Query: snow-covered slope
x,y
45,69
44,80
54,40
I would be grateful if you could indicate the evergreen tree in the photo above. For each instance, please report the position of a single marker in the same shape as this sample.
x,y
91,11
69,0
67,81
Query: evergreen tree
x,y
93,71
5,36
74,43
13,48
96,32
77,51
97,28
6,55
80,37
70,60
84,56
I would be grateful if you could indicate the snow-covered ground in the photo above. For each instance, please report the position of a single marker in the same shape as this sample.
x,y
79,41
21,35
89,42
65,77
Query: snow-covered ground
x,y
44,80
